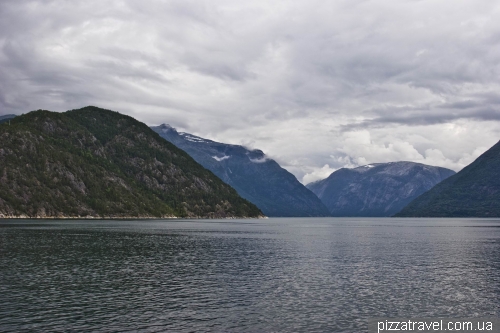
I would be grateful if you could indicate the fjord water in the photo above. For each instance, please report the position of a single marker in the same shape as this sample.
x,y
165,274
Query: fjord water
x,y
272,275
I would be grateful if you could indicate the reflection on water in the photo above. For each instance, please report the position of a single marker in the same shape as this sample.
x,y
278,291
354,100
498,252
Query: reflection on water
x,y
274,275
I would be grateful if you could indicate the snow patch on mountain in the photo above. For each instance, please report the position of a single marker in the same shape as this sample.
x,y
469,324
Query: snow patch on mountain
x,y
193,138
218,159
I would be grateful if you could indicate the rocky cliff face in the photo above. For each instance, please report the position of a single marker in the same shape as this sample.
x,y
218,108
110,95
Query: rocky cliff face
x,y
472,192
98,163
254,176
381,189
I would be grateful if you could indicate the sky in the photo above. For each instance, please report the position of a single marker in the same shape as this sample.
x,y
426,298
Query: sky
x,y
316,85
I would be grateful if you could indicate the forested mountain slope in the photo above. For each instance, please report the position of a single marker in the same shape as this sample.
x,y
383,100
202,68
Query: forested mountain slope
x,y
93,162
472,192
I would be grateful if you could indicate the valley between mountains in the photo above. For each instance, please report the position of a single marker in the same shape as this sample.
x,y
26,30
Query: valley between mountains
x,y
97,163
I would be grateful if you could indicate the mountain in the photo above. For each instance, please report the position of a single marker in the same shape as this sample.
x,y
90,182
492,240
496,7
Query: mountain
x,y
472,192
381,189
6,118
99,163
255,177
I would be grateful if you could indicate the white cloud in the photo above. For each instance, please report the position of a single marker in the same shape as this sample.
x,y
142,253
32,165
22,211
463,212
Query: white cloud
x,y
262,159
317,174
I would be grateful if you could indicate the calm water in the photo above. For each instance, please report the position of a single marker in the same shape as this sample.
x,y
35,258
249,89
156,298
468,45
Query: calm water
x,y
274,275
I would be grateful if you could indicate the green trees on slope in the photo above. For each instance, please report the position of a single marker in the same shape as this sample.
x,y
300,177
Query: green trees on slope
x,y
101,163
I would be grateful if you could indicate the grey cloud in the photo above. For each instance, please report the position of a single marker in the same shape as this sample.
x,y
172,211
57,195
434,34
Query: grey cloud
x,y
429,117
124,69
216,69
468,104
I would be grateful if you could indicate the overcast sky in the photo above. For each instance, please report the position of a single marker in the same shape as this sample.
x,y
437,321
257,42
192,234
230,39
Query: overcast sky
x,y
316,85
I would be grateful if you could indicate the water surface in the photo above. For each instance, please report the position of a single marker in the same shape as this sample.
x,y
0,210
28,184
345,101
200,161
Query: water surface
x,y
273,275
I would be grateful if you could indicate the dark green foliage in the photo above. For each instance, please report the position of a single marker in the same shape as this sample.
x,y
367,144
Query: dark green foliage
x,y
472,192
100,163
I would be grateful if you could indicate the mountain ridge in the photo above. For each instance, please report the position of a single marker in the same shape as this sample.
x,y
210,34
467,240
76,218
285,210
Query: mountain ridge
x,y
255,177
378,189
93,162
473,192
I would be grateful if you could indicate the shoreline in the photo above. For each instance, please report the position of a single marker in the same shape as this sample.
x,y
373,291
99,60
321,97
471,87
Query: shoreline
x,y
2,218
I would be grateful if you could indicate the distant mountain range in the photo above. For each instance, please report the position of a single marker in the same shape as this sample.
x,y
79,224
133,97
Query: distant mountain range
x,y
6,118
98,163
254,176
472,192
380,189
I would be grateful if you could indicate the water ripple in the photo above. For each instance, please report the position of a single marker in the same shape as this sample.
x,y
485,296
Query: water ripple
x,y
277,275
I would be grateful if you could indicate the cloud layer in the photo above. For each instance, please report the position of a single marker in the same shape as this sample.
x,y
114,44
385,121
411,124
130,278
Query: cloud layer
x,y
316,85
